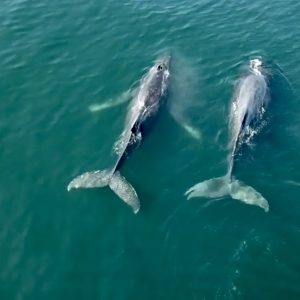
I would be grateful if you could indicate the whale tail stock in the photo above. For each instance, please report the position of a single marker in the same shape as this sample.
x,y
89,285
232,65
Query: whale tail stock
x,y
111,177
225,186
117,183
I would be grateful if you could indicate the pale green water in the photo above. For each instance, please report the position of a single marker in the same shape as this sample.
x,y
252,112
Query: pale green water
x,y
59,57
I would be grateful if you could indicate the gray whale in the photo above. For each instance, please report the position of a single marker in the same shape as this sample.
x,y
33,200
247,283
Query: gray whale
x,y
247,113
143,108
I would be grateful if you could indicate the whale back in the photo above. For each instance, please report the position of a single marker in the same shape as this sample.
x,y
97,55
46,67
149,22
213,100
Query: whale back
x,y
248,107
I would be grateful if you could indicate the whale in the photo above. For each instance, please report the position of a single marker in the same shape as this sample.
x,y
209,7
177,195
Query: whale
x,y
246,118
142,111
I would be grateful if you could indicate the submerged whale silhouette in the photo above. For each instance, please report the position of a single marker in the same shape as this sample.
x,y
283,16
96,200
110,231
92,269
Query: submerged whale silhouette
x,y
144,106
247,113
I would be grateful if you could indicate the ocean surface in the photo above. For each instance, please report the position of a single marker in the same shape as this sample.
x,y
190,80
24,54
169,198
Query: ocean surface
x,y
68,70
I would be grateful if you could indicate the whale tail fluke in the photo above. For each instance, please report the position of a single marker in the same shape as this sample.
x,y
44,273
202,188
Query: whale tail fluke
x,y
94,179
223,186
125,191
117,183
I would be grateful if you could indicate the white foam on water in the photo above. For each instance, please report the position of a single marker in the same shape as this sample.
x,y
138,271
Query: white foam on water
x,y
255,66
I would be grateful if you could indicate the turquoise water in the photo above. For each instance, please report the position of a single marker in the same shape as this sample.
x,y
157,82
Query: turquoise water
x,y
59,57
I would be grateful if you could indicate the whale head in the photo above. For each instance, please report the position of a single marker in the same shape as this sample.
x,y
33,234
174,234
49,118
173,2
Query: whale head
x,y
163,64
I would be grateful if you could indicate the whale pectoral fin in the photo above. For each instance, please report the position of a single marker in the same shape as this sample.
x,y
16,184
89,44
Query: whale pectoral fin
x,y
191,131
186,125
98,107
